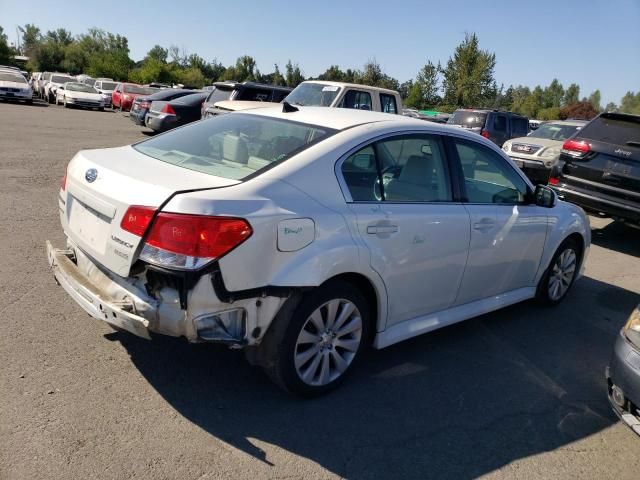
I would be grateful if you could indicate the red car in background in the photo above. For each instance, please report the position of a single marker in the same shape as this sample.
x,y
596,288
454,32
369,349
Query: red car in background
x,y
124,94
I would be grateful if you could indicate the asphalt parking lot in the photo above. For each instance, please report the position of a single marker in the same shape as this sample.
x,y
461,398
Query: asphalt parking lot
x,y
518,393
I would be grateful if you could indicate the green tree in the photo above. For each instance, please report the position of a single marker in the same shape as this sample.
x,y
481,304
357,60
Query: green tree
x,y
611,107
332,74
519,94
428,79
60,35
6,52
158,53
630,103
553,94
293,75
572,94
595,100
468,76
31,38
405,88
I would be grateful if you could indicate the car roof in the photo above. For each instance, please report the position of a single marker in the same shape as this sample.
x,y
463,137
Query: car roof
x,y
351,85
340,118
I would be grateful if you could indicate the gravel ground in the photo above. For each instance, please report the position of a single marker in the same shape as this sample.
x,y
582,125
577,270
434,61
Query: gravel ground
x,y
518,393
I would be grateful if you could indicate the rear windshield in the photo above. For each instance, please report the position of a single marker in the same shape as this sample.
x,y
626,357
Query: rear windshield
x,y
555,131
467,119
616,129
139,89
108,85
11,77
233,146
313,94
218,95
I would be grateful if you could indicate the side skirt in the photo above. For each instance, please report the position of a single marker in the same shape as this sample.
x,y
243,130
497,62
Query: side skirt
x,y
433,321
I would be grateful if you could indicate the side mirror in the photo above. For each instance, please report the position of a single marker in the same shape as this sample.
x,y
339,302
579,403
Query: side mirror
x,y
545,197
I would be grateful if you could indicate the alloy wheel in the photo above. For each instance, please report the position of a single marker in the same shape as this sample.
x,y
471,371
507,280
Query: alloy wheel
x,y
328,342
562,274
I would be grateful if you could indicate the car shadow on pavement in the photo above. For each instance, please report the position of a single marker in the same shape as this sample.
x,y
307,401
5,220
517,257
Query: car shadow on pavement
x,y
456,403
619,237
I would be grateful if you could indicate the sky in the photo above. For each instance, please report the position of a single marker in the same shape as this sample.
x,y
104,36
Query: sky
x,y
594,43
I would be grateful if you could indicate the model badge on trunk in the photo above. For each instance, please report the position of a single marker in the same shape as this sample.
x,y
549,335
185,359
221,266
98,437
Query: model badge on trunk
x,y
91,175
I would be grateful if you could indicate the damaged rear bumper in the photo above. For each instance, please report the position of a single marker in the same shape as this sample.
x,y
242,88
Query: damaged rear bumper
x,y
198,314
94,300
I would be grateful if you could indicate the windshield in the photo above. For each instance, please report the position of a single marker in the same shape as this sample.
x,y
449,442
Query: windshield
x,y
79,87
467,119
218,95
233,146
555,131
11,77
61,79
313,94
139,89
90,81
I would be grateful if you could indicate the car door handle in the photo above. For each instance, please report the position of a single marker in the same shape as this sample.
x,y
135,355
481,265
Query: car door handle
x,y
484,224
375,229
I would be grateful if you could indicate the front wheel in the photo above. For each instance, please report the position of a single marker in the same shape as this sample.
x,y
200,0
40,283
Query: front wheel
x,y
310,351
560,275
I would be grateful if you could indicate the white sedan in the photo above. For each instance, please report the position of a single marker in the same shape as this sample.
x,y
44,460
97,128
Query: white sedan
x,y
13,86
76,94
305,234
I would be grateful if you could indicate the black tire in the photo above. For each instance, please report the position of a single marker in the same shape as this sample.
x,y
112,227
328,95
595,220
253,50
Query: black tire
x,y
278,348
543,293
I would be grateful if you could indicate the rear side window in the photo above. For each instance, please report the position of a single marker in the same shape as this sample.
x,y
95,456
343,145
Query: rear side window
x,y
500,123
388,103
279,95
616,129
218,95
469,119
357,100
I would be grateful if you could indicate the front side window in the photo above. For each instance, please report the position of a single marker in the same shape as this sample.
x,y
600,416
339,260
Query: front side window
x,y
357,100
388,103
407,168
488,178
233,146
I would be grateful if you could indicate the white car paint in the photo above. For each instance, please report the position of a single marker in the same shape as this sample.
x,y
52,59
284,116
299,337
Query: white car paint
x,y
429,264
14,86
66,96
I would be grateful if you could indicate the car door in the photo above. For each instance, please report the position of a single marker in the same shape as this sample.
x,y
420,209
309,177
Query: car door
x,y
507,232
417,234
115,97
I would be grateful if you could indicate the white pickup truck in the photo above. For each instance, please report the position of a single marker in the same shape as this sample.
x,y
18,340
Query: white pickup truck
x,y
321,93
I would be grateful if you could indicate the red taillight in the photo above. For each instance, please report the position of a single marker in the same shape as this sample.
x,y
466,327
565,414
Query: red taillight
x,y
576,148
197,235
168,109
63,182
484,133
554,181
136,219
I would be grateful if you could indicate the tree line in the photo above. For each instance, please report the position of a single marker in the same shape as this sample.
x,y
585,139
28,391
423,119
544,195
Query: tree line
x,y
467,79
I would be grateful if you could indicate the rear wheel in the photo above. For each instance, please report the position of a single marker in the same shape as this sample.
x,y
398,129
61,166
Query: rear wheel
x,y
559,277
311,350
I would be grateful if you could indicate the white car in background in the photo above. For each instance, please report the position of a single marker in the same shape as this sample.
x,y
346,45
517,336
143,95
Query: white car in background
x,y
305,235
105,87
50,87
538,153
77,94
13,86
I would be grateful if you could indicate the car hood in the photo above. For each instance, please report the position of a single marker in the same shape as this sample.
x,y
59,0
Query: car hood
x,y
540,142
83,95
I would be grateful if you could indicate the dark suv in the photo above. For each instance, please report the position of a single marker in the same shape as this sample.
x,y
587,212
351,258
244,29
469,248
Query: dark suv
x,y
496,125
599,167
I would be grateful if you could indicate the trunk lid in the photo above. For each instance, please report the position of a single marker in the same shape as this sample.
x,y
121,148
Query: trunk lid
x,y
102,184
